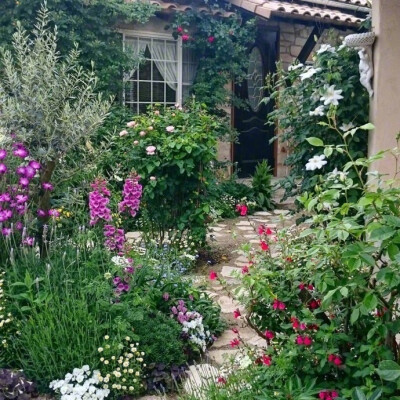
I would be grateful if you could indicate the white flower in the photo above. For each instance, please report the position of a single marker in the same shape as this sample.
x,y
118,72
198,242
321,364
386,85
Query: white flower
x,y
326,47
347,127
310,71
338,174
331,96
294,67
317,162
319,111
170,128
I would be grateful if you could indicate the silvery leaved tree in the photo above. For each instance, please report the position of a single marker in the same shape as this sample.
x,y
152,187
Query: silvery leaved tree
x,y
47,101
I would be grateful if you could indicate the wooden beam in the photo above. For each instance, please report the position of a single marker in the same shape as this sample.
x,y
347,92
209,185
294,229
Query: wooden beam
x,y
310,43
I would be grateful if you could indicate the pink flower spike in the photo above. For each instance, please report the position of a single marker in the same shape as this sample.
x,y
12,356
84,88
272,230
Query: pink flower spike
x,y
47,186
213,275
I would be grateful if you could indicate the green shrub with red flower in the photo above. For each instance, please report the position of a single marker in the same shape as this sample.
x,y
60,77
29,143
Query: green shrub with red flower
x,y
221,44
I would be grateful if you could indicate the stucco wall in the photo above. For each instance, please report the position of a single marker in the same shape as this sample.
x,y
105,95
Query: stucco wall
x,y
385,104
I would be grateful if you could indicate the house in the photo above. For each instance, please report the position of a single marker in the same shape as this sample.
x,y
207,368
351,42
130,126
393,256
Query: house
x,y
287,30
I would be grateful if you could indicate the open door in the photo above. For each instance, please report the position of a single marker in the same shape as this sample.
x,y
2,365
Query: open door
x,y
254,134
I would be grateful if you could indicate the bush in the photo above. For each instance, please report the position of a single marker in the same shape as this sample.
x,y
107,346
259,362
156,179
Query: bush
x,y
172,151
303,101
262,187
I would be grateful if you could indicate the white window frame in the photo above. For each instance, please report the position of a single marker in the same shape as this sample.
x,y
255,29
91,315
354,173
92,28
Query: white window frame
x,y
161,36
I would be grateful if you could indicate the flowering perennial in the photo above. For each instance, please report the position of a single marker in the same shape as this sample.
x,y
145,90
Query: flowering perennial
x,y
79,385
131,194
98,201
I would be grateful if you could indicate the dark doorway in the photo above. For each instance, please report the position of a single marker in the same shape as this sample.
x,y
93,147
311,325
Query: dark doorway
x,y
254,134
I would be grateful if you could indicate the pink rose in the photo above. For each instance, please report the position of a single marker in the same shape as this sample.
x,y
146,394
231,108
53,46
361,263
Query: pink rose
x,y
136,142
170,128
142,133
123,133
131,124
151,150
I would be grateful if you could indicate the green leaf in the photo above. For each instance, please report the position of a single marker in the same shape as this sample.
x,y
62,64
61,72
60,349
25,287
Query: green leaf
x,y
358,394
367,127
314,141
354,316
393,250
382,233
344,291
388,370
370,301
328,151
376,395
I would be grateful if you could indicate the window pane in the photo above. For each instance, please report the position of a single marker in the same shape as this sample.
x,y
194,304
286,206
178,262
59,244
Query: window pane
x,y
156,74
171,95
131,91
145,91
158,92
145,71
185,92
143,107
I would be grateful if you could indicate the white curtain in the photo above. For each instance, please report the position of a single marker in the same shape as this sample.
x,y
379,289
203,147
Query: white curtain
x,y
138,47
162,51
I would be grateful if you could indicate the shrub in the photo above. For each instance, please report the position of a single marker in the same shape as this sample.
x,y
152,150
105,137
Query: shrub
x,y
304,96
65,111
262,187
172,151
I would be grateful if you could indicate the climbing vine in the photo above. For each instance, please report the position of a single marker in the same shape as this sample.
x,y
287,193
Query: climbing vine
x,y
221,39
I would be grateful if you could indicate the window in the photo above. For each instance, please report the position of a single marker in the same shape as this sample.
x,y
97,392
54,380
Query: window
x,y
164,77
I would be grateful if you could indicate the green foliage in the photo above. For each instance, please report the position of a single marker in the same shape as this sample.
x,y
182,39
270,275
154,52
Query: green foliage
x,y
262,186
48,102
177,176
90,24
222,47
297,94
160,339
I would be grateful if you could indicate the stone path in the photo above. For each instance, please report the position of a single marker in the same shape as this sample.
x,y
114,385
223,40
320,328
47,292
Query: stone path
x,y
229,239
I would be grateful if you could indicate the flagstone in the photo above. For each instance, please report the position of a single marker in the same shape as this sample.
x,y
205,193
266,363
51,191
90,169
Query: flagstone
x,y
243,223
228,305
280,212
229,272
216,228
262,213
243,259
219,356
245,228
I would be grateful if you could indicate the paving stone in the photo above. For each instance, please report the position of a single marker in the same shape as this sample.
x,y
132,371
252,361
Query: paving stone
x,y
227,336
280,212
133,235
198,377
255,241
245,228
243,223
243,259
256,341
229,272
152,398
220,356
216,234
254,236
228,305
210,294
262,213
221,225
240,292
241,264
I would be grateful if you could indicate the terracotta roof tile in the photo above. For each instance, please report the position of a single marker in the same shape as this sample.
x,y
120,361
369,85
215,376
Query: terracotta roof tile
x,y
268,8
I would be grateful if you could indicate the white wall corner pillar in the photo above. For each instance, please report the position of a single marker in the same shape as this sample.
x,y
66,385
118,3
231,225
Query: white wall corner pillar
x,y
385,104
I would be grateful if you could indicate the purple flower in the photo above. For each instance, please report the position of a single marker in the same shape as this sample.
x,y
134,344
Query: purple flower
x,y
3,168
3,154
174,310
5,197
126,287
116,280
21,198
19,225
47,186
24,182
34,164
98,202
29,241
41,213
131,195
54,213
21,170
6,231
30,172
165,296
21,152
5,215
115,238
129,270
191,297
